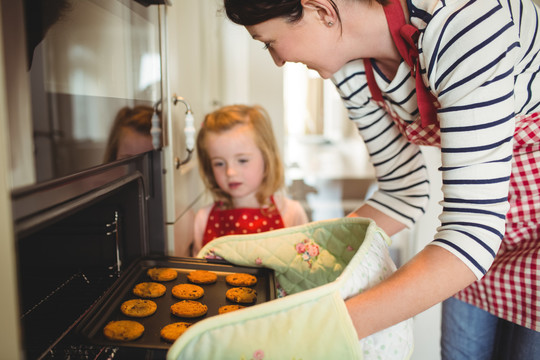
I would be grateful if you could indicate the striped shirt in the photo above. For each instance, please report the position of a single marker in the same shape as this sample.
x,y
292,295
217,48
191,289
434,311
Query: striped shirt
x,y
481,60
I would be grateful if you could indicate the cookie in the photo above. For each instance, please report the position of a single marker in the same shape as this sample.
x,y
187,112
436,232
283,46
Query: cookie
x,y
187,291
241,279
149,290
241,295
162,274
138,308
228,308
202,277
173,331
124,330
189,309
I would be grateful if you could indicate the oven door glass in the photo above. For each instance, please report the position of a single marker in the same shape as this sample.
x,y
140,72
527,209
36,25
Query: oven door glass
x,y
88,60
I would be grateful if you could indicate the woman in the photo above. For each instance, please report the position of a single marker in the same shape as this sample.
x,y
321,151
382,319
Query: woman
x,y
461,75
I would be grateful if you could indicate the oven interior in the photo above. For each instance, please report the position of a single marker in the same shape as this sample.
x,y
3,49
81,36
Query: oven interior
x,y
67,262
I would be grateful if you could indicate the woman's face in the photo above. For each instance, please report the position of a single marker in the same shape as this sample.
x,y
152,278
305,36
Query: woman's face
x,y
307,41
323,47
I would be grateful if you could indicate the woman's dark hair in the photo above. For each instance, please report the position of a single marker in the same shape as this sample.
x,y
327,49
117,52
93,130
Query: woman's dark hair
x,y
253,12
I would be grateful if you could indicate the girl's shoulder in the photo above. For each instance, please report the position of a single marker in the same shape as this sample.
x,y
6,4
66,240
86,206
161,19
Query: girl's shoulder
x,y
281,200
292,211
204,211
207,208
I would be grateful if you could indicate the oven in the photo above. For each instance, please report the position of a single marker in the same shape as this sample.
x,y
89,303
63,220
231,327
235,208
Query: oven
x,y
75,239
83,242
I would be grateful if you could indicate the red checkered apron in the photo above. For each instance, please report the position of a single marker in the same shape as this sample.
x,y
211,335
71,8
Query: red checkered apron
x,y
511,287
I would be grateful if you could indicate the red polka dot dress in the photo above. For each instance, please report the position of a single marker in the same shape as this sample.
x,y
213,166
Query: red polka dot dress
x,y
241,221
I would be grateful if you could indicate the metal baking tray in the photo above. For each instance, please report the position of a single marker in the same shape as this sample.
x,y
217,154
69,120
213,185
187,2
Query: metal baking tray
x,y
108,307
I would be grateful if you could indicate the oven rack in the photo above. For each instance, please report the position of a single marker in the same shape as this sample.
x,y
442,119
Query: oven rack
x,y
61,309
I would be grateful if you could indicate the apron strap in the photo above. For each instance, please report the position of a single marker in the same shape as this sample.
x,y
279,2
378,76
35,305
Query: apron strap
x,y
372,84
405,37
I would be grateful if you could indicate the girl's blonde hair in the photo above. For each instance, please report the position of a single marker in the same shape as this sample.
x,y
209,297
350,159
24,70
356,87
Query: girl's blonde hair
x,y
138,118
225,119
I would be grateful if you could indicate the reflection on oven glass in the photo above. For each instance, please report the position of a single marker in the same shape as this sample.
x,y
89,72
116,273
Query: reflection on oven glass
x,y
130,133
88,59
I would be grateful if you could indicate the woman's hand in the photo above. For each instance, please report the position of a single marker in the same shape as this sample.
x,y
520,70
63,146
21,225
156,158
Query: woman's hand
x,y
432,276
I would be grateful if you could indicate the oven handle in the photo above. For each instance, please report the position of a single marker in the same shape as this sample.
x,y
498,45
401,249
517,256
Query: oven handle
x,y
189,130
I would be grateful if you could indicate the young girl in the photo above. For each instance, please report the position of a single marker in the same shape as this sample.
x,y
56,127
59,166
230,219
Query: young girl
x,y
240,165
462,75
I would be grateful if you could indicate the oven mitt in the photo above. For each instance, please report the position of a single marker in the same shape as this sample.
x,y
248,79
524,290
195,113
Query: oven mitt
x,y
317,266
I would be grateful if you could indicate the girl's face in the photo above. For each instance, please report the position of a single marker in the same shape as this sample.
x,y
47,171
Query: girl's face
x,y
237,163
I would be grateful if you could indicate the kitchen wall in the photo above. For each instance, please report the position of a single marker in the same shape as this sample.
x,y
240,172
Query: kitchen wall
x,y
250,76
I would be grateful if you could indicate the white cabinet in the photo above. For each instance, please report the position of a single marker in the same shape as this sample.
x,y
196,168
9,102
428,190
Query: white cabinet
x,y
211,62
193,58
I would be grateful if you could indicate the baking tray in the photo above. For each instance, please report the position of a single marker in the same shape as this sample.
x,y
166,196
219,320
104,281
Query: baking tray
x,y
108,307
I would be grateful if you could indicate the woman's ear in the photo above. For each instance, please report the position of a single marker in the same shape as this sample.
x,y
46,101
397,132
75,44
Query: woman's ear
x,y
323,9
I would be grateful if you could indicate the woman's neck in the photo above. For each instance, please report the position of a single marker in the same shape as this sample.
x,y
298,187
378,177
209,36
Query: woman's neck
x,y
366,34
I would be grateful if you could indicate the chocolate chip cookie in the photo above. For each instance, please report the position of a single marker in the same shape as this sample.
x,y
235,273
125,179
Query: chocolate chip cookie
x,y
149,290
202,277
241,279
162,274
173,331
189,309
124,330
187,291
228,308
138,307
243,295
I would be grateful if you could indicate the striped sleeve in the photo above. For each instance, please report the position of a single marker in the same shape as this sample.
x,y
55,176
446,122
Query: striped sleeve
x,y
403,186
470,53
